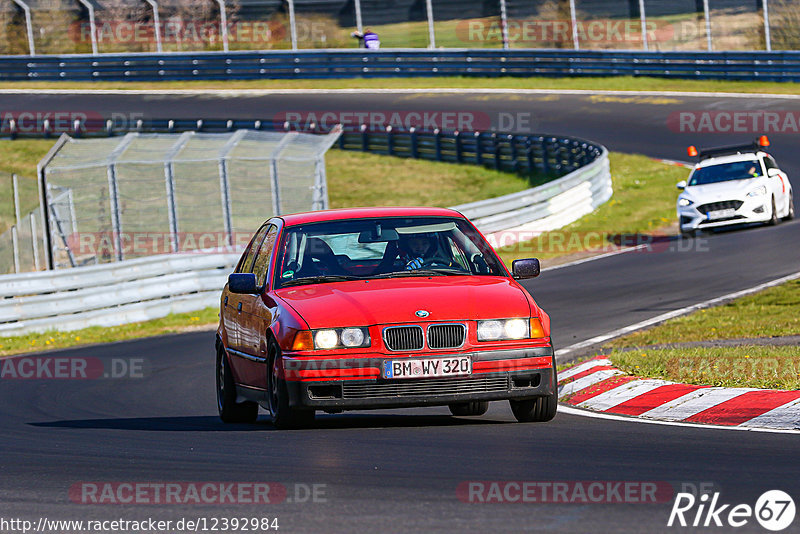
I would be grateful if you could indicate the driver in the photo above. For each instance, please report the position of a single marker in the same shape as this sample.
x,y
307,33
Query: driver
x,y
422,249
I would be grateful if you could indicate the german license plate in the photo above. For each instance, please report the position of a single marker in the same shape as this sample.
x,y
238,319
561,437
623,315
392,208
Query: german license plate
x,y
721,214
429,367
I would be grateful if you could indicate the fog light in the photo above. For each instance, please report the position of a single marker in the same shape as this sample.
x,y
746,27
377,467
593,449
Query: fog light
x,y
759,209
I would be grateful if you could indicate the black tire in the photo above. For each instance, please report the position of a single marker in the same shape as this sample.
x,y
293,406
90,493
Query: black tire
x,y
790,215
464,409
774,219
281,414
231,411
538,410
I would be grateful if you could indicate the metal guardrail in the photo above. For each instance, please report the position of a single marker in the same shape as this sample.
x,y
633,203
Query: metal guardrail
x,y
112,294
247,65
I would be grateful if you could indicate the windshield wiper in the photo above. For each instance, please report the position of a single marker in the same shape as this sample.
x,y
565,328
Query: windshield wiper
x,y
423,272
321,279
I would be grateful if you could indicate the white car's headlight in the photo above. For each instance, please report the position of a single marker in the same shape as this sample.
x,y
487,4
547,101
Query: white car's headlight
x,y
341,338
683,201
758,191
500,329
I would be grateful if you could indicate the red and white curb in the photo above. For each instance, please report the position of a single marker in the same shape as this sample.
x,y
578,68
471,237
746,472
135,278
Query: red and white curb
x,y
597,385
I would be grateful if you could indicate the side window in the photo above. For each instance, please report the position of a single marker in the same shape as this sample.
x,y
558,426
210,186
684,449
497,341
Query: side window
x,y
246,264
264,257
769,163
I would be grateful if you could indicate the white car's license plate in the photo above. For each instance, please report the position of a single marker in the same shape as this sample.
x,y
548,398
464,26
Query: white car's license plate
x,y
720,214
429,367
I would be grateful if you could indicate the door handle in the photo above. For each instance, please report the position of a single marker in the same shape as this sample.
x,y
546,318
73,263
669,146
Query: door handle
x,y
225,302
239,307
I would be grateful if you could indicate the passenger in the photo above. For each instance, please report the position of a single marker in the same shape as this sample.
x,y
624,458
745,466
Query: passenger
x,y
369,39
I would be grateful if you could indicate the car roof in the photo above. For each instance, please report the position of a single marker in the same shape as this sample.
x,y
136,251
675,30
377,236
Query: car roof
x,y
366,213
732,158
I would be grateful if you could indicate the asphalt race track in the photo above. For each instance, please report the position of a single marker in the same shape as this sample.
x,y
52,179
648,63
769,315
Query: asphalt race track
x,y
400,470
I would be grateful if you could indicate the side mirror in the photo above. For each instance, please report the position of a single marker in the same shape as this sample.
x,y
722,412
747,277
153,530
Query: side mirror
x,y
244,283
773,172
681,185
528,268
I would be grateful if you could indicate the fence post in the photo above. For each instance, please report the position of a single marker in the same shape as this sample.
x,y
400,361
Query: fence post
x,y
273,172
643,19
18,220
223,22
41,175
459,153
573,16
431,30
292,24
28,26
504,23
707,15
478,149
545,155
359,22
92,24
364,138
34,242
767,37
437,136
497,150
113,192
169,176
390,140
414,142
156,24
512,143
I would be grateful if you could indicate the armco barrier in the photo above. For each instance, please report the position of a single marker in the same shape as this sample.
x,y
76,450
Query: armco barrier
x,y
112,294
247,65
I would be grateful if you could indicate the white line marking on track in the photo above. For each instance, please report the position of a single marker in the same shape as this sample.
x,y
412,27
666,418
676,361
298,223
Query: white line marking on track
x,y
572,371
786,416
674,313
693,403
623,393
593,258
586,381
434,90
569,410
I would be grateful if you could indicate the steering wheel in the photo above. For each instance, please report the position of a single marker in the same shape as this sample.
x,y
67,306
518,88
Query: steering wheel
x,y
434,262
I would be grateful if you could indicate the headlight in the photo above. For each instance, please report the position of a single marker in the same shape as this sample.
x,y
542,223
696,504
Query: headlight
x,y
758,191
684,202
335,338
500,329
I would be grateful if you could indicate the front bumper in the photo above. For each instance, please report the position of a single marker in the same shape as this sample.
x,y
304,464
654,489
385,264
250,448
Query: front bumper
x,y
752,210
497,375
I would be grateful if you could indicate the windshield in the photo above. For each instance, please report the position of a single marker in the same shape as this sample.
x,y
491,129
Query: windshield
x,y
738,170
387,247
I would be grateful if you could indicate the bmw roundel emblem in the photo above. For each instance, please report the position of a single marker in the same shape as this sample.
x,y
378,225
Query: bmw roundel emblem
x,y
422,313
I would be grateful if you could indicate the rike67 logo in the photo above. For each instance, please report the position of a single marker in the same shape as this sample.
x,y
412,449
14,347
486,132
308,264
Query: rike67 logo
x,y
774,510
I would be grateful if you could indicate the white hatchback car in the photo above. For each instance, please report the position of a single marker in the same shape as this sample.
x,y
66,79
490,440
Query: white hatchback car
x,y
734,185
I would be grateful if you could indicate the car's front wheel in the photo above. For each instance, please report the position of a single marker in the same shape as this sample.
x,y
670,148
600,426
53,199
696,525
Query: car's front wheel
x,y
774,219
282,415
464,409
540,409
231,411
790,213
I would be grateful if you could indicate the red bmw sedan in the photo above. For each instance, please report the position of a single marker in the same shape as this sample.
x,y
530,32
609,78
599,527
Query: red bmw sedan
x,y
379,308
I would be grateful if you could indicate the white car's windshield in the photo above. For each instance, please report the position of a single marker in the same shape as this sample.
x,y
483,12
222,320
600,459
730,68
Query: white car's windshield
x,y
724,172
381,248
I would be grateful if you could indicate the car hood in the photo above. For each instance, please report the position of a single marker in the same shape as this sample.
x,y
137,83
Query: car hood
x,y
395,300
729,190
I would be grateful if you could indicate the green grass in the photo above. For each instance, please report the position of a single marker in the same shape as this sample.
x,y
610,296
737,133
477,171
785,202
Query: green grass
x,y
362,179
617,83
19,157
643,204
105,334
744,366
772,312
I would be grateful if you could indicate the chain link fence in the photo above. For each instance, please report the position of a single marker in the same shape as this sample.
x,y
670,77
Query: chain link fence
x,y
120,26
146,194
21,237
